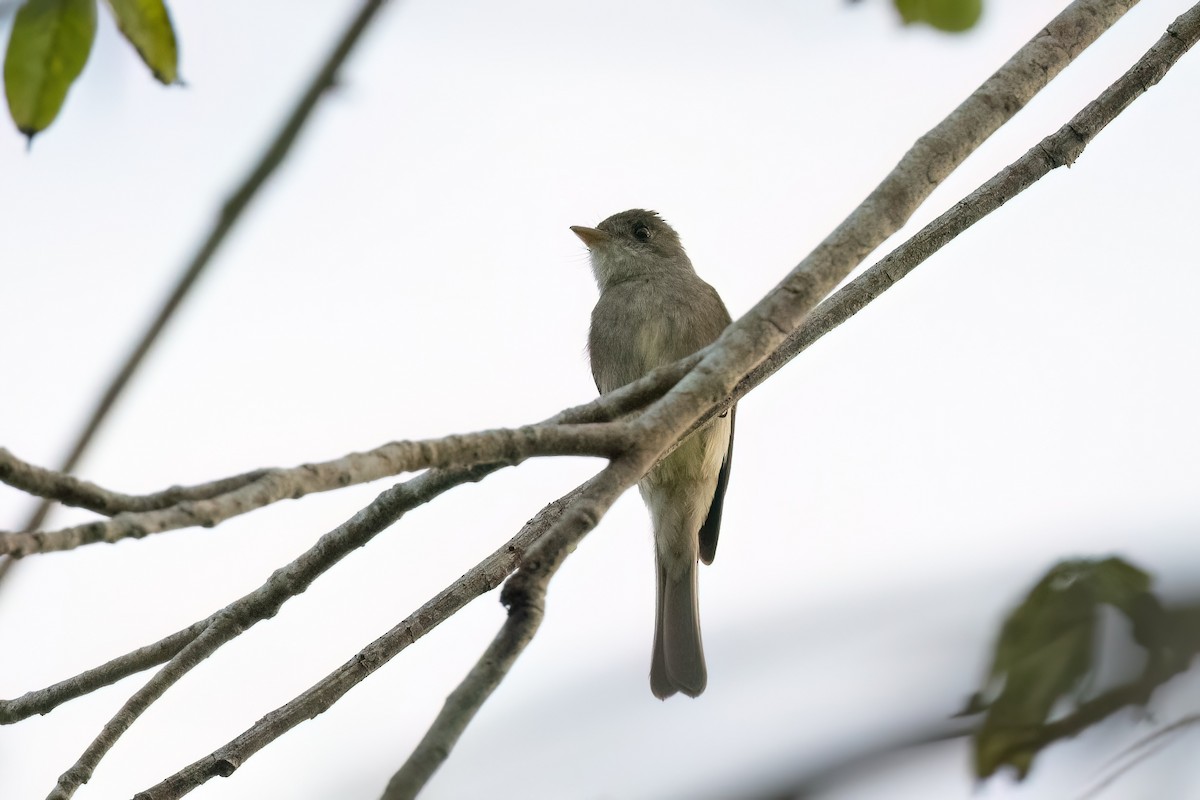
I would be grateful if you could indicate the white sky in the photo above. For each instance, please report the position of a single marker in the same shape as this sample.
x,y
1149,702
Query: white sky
x,y
1028,394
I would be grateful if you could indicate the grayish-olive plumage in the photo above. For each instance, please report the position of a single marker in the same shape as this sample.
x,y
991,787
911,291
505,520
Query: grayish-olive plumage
x,y
653,310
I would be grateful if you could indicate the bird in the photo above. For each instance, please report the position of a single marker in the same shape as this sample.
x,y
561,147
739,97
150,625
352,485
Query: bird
x,y
654,310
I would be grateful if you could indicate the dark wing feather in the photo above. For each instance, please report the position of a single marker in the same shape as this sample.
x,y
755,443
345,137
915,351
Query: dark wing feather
x,y
711,528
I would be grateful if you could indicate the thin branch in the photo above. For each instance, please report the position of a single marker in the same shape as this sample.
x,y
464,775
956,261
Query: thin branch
x,y
525,596
502,447
586,436
1139,752
43,701
277,484
230,213
265,602
462,704
63,488
1105,782
483,578
1178,725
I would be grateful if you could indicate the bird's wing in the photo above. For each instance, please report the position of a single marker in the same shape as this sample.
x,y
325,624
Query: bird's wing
x,y
711,528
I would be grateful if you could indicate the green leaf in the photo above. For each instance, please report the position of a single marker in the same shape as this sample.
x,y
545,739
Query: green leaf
x,y
1044,655
952,16
147,26
47,49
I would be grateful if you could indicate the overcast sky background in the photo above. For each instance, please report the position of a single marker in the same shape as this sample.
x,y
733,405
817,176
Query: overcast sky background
x,y
1028,394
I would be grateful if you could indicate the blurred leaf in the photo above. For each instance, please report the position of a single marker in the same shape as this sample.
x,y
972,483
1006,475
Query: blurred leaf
x,y
1044,655
952,16
47,49
147,26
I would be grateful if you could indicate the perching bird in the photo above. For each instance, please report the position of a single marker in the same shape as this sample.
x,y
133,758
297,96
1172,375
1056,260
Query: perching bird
x,y
654,310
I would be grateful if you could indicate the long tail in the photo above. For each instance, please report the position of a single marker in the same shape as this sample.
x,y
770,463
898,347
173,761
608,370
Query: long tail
x,y
678,661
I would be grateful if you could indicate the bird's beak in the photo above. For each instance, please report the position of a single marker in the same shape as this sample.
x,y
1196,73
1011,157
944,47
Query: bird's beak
x,y
590,236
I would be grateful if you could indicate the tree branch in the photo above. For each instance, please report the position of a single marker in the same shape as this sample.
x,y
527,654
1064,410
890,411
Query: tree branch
x,y
463,703
43,701
483,578
501,447
265,602
525,596
71,491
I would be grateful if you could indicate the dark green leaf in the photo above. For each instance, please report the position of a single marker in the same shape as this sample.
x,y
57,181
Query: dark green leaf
x,y
47,49
147,26
953,16
1044,655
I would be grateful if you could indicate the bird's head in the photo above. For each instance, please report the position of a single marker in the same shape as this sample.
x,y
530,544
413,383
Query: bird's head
x,y
632,244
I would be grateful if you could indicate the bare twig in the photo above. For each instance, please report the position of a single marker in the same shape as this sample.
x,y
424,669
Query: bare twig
x,y
1138,753
500,447
586,436
43,701
231,212
71,491
525,597
462,704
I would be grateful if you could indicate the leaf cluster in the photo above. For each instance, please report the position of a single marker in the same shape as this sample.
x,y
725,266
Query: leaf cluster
x,y
50,43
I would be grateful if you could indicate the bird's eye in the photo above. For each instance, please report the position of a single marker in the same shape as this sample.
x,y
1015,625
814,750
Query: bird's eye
x,y
641,233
